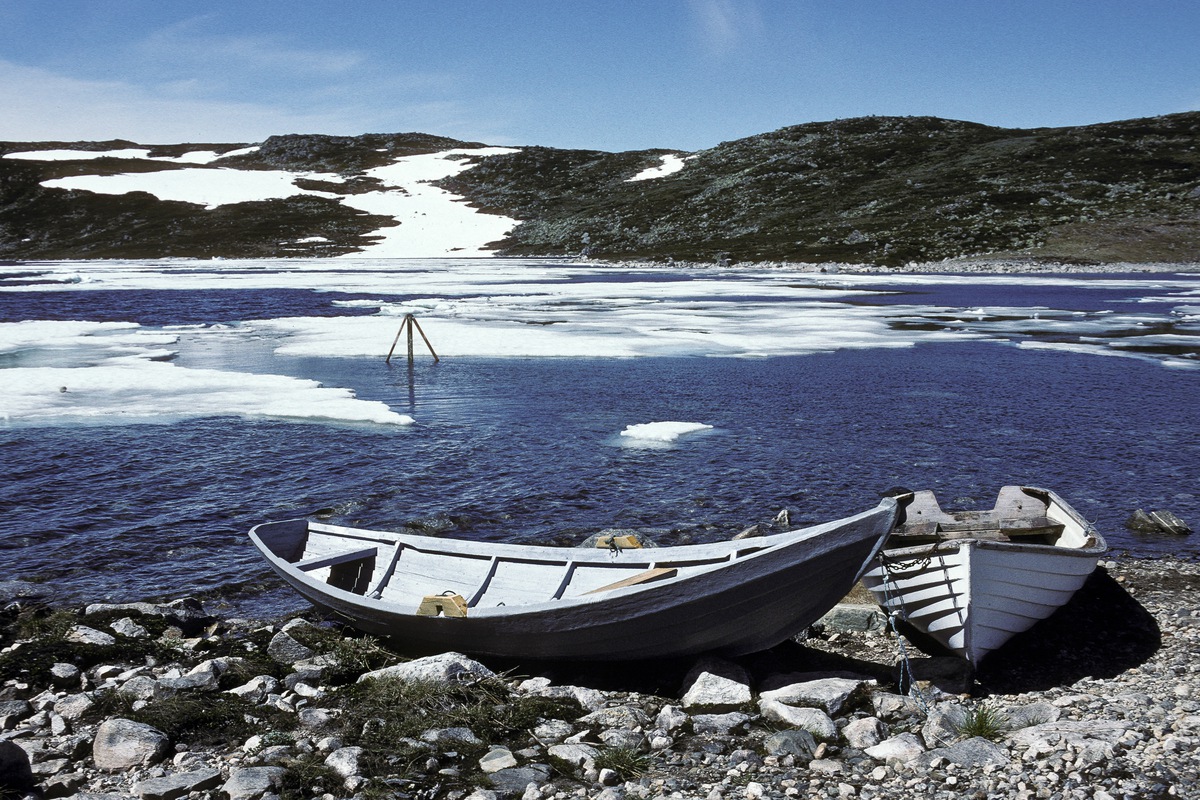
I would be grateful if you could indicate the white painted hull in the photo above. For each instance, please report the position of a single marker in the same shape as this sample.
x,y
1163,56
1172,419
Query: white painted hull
x,y
731,597
972,595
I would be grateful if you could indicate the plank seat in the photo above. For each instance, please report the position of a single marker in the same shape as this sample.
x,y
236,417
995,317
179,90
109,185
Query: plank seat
x,y
332,559
654,574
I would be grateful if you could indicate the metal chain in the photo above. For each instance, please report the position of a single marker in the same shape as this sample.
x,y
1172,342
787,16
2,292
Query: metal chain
x,y
898,612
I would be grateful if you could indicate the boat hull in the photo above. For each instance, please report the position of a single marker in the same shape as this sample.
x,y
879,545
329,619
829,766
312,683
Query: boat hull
x,y
971,595
556,603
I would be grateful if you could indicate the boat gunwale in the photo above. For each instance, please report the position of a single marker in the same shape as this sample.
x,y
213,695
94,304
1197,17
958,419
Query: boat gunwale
x,y
1094,544
320,592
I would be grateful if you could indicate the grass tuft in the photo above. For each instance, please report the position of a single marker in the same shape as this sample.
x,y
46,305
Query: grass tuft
x,y
985,722
625,761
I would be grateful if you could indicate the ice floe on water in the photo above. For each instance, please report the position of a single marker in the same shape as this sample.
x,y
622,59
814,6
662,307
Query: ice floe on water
x,y
114,373
529,309
662,431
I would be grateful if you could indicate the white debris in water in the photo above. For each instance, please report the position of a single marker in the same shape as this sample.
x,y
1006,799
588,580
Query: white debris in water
x,y
116,373
663,431
506,308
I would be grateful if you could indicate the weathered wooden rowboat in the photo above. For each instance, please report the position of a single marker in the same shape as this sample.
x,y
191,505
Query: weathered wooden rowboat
x,y
971,580
431,595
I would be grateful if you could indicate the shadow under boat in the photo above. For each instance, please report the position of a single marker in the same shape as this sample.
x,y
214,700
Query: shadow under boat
x,y
1101,632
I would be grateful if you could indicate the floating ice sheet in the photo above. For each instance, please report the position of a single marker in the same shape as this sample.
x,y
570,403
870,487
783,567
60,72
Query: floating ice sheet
x,y
116,373
536,308
663,431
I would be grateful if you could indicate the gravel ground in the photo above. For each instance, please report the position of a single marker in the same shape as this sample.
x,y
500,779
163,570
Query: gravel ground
x,y
1101,701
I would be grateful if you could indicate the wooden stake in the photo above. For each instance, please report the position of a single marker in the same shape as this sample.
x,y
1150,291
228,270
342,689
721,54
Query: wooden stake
x,y
409,323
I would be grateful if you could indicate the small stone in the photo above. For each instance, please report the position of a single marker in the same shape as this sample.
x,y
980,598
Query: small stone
x,y
833,695
249,783
901,749
582,756
287,650
344,761
496,759
74,706
16,773
64,674
716,684
450,736
82,634
720,724
864,732
180,784
444,668
670,718
122,743
813,720
128,628
800,744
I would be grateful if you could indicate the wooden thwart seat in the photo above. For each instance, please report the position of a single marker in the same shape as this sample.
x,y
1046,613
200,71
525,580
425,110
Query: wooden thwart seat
x,y
317,562
655,574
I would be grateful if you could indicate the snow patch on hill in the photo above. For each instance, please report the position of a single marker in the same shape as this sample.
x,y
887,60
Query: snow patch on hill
x,y
431,222
671,163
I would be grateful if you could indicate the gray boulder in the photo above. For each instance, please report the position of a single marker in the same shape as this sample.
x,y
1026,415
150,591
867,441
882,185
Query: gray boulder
x,y
864,732
514,781
450,736
583,756
496,759
123,743
249,783
180,784
627,717
82,634
127,627
797,743
853,617
285,649
720,724
833,695
813,720
943,725
715,684
973,752
64,675
443,668
344,761
73,706
16,773
898,749
670,718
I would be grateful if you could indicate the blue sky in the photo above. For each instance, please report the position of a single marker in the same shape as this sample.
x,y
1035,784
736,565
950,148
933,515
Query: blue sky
x,y
599,74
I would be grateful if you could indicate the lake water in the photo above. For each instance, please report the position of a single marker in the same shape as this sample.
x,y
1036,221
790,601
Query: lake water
x,y
153,411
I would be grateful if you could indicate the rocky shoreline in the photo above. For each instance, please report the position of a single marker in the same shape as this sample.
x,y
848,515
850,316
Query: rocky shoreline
x,y
162,701
972,266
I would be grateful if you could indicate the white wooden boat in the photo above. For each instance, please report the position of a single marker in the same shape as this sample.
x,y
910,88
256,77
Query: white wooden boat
x,y
431,595
971,580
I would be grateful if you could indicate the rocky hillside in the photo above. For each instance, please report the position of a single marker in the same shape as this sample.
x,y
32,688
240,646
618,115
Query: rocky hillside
x,y
878,189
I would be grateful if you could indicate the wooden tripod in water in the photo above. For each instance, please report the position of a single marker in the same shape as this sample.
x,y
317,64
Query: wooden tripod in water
x,y
410,322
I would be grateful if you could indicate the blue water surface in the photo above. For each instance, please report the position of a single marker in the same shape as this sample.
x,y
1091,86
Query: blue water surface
x,y
528,450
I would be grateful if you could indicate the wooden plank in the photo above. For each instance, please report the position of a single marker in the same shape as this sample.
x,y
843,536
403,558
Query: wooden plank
x,y
657,573
309,564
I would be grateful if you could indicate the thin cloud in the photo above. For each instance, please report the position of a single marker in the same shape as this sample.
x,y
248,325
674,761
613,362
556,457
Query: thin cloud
x,y
185,45
44,106
41,105
725,25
